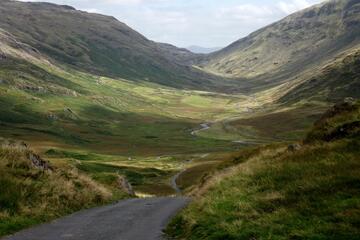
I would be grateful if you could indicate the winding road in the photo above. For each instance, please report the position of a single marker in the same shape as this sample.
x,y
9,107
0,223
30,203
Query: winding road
x,y
133,219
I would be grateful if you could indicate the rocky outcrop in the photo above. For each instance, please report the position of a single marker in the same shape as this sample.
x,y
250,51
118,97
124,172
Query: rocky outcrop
x,y
38,162
33,88
35,160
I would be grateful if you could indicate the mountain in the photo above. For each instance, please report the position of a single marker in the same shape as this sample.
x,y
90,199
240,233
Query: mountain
x,y
99,44
202,50
108,109
300,41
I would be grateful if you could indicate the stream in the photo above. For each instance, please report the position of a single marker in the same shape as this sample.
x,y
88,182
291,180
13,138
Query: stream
x,y
203,127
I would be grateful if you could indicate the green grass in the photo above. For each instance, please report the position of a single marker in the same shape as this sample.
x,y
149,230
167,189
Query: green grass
x,y
273,193
30,196
104,113
134,123
80,116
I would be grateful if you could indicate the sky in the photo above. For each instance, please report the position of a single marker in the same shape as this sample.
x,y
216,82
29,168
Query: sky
x,y
206,23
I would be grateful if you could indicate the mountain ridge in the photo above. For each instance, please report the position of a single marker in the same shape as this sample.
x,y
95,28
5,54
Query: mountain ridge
x,y
291,44
101,45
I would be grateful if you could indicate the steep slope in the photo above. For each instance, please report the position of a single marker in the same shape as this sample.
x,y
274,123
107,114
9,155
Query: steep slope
x,y
308,190
99,44
337,80
287,47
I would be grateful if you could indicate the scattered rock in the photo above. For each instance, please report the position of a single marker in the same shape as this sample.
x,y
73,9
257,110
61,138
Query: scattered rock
x,y
294,147
33,88
38,162
125,185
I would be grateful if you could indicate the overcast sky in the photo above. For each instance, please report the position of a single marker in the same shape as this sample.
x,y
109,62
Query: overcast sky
x,y
207,23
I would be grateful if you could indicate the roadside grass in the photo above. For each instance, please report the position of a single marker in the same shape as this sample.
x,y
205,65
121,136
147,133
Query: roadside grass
x,y
30,196
311,194
275,193
194,175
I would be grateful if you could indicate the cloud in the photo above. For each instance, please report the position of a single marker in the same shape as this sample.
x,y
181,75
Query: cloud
x,y
289,7
245,12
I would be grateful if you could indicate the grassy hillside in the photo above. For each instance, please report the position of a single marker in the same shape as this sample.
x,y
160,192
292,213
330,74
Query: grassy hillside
x,y
99,100
300,41
336,80
105,125
308,191
100,44
53,95
33,191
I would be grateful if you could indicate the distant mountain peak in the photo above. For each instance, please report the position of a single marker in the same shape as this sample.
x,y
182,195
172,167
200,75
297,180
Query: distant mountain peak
x,y
202,50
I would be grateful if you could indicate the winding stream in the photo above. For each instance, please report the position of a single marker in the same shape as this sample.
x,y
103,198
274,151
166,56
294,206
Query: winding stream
x,y
204,126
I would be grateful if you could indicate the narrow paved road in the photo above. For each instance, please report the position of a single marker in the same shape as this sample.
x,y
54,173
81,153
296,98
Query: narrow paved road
x,y
133,219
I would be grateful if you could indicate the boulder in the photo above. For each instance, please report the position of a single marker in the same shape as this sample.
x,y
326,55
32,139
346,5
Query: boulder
x,y
38,162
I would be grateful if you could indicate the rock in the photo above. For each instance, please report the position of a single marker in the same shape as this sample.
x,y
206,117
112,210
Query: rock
x,y
349,100
125,185
38,162
294,147
33,88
